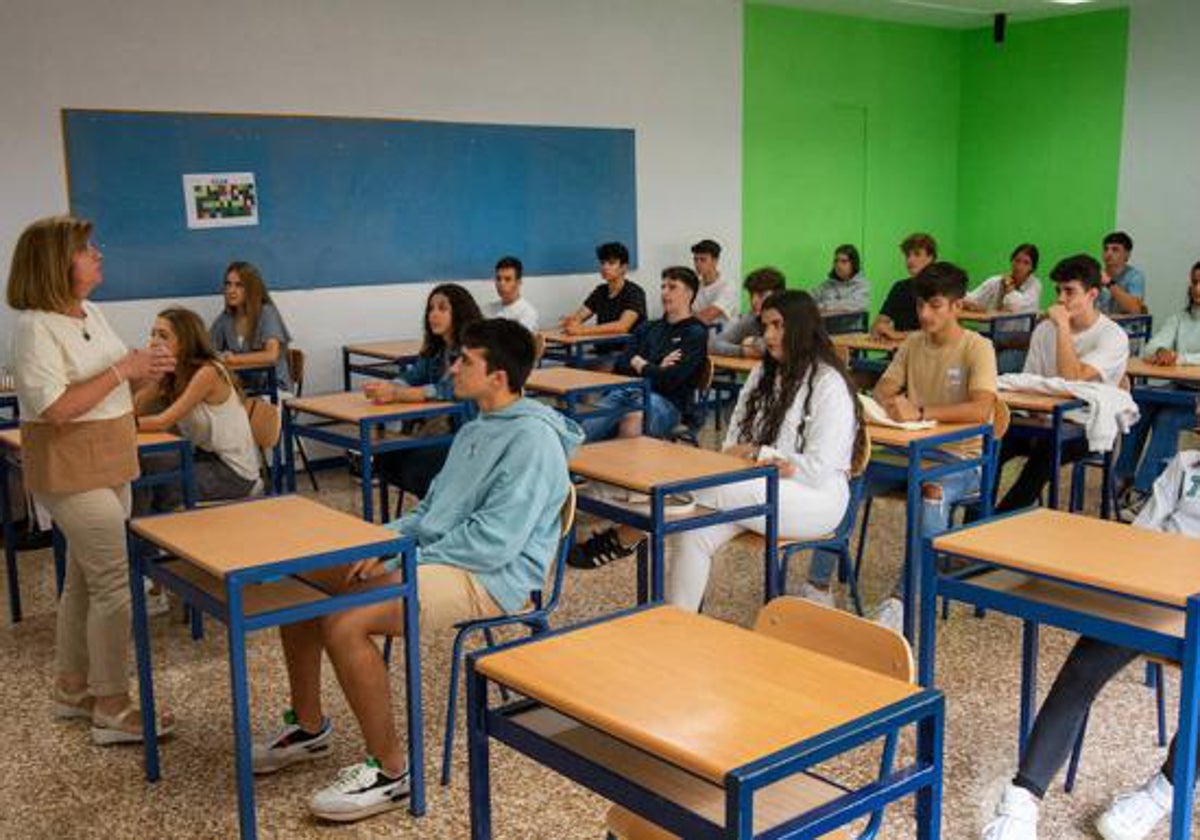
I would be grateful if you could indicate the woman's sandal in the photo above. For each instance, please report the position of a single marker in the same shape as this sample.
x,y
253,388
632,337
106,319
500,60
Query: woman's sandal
x,y
125,727
72,705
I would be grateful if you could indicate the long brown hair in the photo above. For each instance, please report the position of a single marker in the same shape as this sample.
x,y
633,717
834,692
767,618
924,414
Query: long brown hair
x,y
40,274
194,350
806,346
464,311
254,295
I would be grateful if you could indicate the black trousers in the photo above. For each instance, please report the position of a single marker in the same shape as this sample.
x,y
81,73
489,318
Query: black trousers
x,y
1037,469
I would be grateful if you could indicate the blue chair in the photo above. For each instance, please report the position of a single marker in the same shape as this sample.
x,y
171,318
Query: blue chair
x,y
536,619
839,541
813,627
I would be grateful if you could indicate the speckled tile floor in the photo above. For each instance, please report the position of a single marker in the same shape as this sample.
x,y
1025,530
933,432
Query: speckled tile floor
x,y
55,784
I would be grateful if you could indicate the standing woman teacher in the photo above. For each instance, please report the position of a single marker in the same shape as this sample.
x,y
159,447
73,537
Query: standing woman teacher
x,y
79,453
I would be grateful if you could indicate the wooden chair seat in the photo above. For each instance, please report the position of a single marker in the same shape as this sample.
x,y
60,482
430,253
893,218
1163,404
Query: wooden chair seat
x,y
773,805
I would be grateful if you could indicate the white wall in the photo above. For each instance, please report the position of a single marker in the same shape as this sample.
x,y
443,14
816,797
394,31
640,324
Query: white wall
x,y
1158,199
670,69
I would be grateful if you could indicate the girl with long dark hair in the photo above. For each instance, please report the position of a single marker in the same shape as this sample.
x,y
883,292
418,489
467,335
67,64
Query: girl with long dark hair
x,y
798,410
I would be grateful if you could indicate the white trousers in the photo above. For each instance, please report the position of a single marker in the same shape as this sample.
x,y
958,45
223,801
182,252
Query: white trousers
x,y
805,512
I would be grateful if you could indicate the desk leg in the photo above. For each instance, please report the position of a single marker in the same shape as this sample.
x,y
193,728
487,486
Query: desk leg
x,y
929,754
774,573
240,696
657,547
1029,668
366,466
912,541
188,474
412,684
927,647
477,755
643,572
1185,747
345,369
10,544
1056,442
141,641
289,449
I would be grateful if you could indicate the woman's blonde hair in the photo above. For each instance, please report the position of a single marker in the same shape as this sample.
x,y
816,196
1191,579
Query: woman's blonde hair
x,y
254,291
40,274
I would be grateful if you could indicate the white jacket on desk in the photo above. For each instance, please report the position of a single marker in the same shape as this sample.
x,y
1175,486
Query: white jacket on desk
x,y
1110,410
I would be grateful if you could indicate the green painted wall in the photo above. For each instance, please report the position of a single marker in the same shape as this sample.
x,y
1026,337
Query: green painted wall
x,y
850,134
863,131
1041,139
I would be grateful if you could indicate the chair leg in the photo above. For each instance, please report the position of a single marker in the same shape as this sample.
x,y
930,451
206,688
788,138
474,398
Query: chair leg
x,y
399,502
1108,489
1160,701
851,578
862,538
490,639
451,706
387,650
196,619
312,477
1076,753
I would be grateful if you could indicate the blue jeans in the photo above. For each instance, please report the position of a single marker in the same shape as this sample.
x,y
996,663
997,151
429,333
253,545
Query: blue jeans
x,y
657,421
935,513
1162,424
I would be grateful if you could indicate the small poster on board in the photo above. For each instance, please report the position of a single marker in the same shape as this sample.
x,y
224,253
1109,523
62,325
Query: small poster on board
x,y
220,199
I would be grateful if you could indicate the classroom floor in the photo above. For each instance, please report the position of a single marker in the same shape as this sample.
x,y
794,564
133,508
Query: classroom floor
x,y
55,784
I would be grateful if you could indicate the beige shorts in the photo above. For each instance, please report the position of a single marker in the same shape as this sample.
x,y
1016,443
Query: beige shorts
x,y
449,594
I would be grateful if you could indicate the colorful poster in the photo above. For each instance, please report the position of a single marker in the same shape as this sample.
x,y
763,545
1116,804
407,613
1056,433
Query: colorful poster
x,y
220,199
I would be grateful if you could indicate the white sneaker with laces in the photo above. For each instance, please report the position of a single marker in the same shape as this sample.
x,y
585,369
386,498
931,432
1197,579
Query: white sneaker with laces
x,y
817,595
1016,816
890,614
1133,815
359,791
290,745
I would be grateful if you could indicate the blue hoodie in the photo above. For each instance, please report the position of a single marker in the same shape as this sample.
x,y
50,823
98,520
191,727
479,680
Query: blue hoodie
x,y
493,509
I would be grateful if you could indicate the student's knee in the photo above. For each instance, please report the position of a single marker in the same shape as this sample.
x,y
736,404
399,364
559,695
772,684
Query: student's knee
x,y
343,629
631,425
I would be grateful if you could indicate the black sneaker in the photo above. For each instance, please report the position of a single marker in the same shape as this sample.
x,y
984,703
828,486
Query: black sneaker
x,y
600,549
290,745
1131,505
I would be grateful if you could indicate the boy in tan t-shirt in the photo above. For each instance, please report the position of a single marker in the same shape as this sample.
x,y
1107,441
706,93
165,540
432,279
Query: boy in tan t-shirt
x,y
943,373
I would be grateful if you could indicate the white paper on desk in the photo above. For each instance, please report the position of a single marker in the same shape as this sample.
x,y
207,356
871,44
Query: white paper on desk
x,y
874,413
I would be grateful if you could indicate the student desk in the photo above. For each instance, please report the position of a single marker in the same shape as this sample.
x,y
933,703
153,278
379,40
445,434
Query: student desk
x,y
1113,582
1138,326
10,455
924,461
734,364
243,564
857,346
572,349
574,385
1053,407
357,424
840,321
1145,393
993,322
730,368
388,356
658,468
705,728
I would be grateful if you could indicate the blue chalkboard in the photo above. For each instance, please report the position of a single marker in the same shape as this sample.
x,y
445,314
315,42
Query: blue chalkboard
x,y
345,202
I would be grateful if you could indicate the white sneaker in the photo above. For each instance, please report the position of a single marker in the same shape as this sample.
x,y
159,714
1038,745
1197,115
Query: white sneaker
x,y
290,745
817,595
1133,815
1016,816
156,602
359,791
890,614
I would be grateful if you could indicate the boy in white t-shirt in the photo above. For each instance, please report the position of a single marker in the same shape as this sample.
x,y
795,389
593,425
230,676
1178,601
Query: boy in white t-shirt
x,y
511,305
718,300
1075,341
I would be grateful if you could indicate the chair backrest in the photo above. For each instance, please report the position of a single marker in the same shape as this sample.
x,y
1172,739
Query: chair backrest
x,y
295,363
264,422
861,455
566,532
705,380
838,635
539,348
1001,417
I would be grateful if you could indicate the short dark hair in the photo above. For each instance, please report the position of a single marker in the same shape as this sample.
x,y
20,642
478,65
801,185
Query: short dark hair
x,y
506,346
940,279
850,253
707,246
1119,237
919,242
510,262
684,275
612,251
1081,267
765,279
1028,249
1195,267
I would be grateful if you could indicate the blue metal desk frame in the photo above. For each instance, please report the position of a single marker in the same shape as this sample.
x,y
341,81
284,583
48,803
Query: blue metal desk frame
x,y
388,369
230,612
185,475
1138,327
914,474
575,397
959,586
1011,321
1060,432
363,442
838,322
659,527
574,354
922,778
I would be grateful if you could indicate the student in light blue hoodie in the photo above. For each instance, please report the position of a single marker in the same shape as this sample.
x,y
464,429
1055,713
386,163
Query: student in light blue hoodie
x,y
486,531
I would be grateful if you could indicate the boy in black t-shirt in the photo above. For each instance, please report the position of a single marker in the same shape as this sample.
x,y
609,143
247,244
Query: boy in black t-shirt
x,y
618,303
898,315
